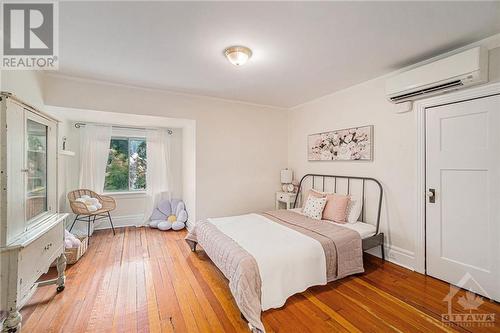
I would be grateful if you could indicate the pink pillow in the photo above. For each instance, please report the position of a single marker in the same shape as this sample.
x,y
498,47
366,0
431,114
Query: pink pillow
x,y
336,208
315,194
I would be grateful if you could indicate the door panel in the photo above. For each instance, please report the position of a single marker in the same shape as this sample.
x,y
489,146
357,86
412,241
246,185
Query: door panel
x,y
468,225
40,163
15,171
463,166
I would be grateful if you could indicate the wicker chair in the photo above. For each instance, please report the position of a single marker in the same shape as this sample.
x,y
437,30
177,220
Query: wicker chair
x,y
83,214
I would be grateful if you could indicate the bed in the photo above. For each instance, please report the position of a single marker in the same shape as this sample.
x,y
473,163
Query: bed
x,y
270,256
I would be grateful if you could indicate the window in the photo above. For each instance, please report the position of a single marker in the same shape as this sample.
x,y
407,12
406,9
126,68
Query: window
x,y
36,181
126,169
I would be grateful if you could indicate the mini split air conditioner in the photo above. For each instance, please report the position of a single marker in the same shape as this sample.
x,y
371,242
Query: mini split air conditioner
x,y
451,73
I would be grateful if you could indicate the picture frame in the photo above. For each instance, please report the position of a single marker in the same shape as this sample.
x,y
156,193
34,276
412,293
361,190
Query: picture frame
x,y
349,144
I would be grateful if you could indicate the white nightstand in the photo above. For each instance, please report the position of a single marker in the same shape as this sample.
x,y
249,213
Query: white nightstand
x,y
285,197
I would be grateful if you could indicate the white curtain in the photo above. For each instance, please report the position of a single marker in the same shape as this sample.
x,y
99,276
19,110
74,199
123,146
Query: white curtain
x,y
159,173
94,152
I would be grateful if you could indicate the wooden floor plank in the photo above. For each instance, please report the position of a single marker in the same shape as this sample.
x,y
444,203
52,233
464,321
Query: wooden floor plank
x,y
146,280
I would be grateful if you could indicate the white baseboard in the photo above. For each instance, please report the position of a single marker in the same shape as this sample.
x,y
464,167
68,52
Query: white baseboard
x,y
80,227
121,221
396,255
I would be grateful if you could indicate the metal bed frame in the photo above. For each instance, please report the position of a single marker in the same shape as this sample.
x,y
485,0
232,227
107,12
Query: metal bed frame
x,y
367,243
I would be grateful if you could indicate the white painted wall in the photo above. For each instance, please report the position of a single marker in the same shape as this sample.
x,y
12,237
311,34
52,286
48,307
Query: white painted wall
x,y
130,206
26,85
395,156
240,148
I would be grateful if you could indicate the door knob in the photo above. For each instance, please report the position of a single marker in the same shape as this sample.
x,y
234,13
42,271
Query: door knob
x,y
431,193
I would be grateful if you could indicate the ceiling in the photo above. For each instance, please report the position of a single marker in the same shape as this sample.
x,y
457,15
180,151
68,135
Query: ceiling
x,y
302,50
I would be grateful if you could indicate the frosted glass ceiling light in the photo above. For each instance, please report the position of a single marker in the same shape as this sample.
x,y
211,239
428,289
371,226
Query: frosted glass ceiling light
x,y
238,55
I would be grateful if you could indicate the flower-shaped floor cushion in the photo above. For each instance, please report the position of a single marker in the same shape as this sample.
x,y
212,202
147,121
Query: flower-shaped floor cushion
x,y
170,214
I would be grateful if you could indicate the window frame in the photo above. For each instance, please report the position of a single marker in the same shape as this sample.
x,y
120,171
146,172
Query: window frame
x,y
51,158
129,191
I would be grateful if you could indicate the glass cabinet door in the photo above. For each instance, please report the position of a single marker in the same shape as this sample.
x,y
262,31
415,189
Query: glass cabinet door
x,y
36,169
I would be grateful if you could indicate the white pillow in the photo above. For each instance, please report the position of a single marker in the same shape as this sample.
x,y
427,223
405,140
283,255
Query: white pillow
x,y
314,207
354,210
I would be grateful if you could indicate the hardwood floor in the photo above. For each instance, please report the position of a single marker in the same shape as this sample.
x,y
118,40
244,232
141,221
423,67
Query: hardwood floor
x,y
145,280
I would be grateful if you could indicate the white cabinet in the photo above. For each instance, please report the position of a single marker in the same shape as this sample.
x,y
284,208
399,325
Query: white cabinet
x,y
31,230
287,198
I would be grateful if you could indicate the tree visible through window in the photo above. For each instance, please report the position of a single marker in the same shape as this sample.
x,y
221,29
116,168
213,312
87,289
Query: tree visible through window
x,y
126,169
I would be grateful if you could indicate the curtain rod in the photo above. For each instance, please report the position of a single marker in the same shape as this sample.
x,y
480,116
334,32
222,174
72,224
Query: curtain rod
x,y
169,131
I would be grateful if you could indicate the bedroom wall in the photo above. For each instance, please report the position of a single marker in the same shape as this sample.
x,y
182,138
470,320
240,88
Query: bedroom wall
x,y
394,161
232,180
240,148
27,85
130,206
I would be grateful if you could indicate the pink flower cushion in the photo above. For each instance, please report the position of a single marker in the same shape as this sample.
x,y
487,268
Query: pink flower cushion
x,y
336,208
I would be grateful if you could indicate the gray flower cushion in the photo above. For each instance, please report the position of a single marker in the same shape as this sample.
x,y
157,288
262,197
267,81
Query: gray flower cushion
x,y
166,208
164,225
178,225
157,215
154,223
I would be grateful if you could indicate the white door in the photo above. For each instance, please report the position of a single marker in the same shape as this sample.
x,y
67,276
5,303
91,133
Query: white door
x,y
463,198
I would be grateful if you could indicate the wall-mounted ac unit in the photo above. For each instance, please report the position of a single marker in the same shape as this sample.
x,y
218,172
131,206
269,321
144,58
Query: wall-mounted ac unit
x,y
451,73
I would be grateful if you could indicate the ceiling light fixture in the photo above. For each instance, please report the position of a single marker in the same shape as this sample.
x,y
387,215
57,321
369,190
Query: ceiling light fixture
x,y
238,55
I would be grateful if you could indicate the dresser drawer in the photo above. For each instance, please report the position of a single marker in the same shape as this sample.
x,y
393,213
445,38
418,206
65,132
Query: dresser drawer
x,y
280,196
285,197
35,258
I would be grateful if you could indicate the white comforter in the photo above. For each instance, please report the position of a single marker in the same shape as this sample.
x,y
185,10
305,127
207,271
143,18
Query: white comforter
x,y
289,262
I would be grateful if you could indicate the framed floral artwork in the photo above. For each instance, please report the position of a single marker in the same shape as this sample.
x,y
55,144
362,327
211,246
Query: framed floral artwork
x,y
351,144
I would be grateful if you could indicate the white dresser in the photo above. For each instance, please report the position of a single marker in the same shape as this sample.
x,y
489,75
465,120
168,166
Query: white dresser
x,y
31,229
287,198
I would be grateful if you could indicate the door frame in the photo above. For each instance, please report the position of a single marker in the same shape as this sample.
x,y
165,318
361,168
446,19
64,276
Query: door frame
x,y
420,108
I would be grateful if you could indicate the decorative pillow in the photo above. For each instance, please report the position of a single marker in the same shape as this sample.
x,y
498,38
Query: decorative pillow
x,y
178,225
315,194
180,207
154,223
336,208
354,210
164,225
314,207
182,217
174,203
157,215
165,207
